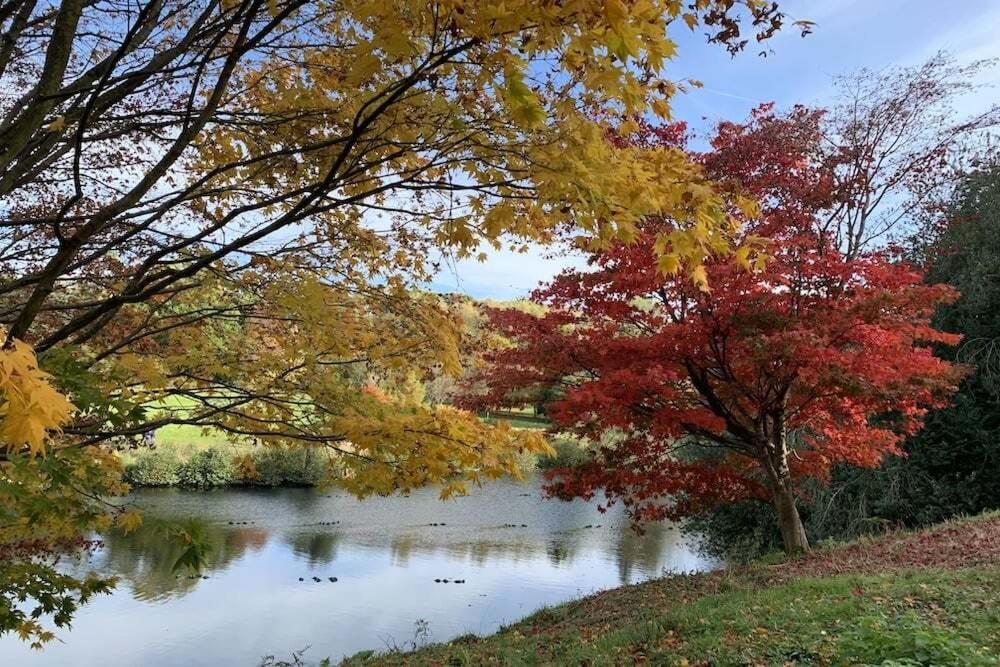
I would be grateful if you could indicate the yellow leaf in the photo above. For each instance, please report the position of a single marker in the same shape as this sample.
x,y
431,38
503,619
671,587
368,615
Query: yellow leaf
x,y
30,408
661,108
668,264
57,125
615,11
700,278
129,521
742,256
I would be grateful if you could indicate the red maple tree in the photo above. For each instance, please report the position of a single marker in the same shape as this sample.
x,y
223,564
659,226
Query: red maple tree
x,y
815,357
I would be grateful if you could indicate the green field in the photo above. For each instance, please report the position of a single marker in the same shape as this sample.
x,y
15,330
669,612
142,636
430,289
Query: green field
x,y
517,418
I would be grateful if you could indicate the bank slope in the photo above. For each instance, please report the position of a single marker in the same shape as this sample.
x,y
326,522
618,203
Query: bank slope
x,y
930,597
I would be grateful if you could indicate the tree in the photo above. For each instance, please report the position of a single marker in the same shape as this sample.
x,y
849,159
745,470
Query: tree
x,y
41,513
215,213
964,252
817,354
168,169
897,148
951,467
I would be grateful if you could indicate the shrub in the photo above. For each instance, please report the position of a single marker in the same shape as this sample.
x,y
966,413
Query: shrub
x,y
206,469
152,468
569,453
739,532
273,466
217,466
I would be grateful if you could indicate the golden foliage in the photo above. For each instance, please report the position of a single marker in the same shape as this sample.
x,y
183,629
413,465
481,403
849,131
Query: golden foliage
x,y
335,367
30,408
478,121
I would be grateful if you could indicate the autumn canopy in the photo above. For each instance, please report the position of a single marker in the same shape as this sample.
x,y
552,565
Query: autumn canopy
x,y
782,367
215,214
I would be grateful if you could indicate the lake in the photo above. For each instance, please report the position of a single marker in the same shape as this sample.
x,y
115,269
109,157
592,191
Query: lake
x,y
384,553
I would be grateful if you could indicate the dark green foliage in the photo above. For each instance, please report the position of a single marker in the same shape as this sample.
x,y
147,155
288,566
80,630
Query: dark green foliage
x,y
966,255
43,520
48,592
153,468
739,532
301,466
953,466
206,469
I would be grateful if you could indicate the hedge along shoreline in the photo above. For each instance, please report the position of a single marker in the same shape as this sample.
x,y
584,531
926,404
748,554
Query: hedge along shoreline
x,y
204,465
222,465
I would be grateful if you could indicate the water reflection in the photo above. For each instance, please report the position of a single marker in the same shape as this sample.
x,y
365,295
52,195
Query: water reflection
x,y
385,554
146,557
315,547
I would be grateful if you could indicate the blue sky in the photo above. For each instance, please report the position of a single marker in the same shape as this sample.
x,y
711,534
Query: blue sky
x,y
849,34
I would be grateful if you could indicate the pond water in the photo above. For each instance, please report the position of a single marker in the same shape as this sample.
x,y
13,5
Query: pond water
x,y
384,554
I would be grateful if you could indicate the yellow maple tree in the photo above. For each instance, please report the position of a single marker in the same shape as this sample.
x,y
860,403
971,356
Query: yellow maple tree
x,y
219,214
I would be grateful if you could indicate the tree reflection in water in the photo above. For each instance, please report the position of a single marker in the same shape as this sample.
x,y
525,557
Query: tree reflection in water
x,y
264,550
147,559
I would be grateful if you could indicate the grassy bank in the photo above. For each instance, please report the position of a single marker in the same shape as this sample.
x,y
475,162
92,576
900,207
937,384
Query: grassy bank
x,y
925,598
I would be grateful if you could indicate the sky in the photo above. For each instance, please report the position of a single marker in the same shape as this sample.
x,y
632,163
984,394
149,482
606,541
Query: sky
x,y
848,35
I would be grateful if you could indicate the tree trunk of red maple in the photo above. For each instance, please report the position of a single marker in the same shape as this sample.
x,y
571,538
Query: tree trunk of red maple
x,y
793,533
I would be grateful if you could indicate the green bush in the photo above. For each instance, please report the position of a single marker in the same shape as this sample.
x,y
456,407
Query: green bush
x,y
569,453
152,468
740,532
299,466
217,466
206,469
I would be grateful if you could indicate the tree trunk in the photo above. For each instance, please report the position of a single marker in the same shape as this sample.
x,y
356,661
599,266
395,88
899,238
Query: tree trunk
x,y
773,431
792,531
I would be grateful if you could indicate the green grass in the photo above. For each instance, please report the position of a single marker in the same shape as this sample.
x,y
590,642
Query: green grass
x,y
770,615
942,617
184,440
181,442
909,618
183,434
517,418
